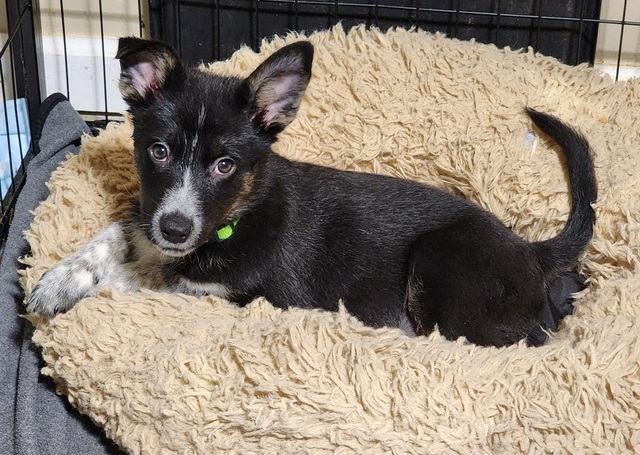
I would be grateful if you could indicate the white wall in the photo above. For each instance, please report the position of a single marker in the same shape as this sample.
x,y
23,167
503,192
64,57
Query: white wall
x,y
609,39
84,49
85,72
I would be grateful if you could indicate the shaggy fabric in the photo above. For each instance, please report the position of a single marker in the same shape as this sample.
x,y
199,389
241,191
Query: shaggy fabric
x,y
171,373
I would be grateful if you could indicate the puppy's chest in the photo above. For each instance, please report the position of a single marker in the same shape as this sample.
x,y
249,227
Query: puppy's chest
x,y
211,274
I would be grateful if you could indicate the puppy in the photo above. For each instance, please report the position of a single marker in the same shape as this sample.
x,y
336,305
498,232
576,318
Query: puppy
x,y
221,213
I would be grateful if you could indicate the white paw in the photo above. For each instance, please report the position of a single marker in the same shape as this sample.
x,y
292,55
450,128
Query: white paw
x,y
63,286
82,274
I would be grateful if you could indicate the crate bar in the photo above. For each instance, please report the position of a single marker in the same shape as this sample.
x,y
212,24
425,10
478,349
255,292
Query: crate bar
x,y
498,17
457,20
64,45
104,64
539,22
6,119
375,12
618,62
254,32
15,110
26,42
177,27
217,35
6,125
580,31
216,29
140,23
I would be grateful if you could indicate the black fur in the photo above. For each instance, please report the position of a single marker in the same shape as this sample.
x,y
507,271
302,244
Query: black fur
x,y
394,251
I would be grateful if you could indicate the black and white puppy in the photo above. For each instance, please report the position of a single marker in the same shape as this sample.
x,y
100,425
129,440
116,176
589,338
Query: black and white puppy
x,y
221,213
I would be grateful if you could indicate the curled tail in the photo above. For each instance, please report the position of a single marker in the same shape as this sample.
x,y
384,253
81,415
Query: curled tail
x,y
561,252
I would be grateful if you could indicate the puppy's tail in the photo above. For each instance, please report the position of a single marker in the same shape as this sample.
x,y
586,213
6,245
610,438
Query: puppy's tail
x,y
560,253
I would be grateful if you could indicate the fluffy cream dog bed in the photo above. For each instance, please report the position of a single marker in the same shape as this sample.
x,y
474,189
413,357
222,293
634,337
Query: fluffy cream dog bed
x,y
171,373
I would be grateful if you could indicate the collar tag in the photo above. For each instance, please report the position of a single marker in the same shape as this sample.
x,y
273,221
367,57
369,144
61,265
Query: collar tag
x,y
226,231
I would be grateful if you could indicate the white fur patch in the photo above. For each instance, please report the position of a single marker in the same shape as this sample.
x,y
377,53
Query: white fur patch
x,y
199,289
102,252
83,278
181,199
80,275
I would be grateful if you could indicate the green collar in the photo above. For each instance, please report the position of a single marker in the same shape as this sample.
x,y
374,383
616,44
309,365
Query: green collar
x,y
225,231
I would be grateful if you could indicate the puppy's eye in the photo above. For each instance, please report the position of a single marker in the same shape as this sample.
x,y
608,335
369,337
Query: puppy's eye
x,y
224,166
159,151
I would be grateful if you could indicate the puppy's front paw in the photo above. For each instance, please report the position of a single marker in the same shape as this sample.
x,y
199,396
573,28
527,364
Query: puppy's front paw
x,y
82,274
62,287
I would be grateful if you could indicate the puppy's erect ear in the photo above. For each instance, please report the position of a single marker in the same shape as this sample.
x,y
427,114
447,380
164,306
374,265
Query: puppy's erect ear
x,y
146,67
275,89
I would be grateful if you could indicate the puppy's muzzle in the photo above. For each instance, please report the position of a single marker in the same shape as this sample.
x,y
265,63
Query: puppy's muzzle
x,y
175,227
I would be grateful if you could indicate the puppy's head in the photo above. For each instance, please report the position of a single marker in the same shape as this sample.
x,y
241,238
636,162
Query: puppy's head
x,y
202,141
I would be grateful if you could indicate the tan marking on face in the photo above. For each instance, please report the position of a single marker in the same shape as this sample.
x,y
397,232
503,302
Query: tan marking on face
x,y
238,202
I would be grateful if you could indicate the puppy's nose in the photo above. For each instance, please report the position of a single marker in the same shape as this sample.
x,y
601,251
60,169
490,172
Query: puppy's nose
x,y
175,228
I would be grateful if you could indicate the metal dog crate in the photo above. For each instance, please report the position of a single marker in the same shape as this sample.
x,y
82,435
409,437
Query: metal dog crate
x,y
205,30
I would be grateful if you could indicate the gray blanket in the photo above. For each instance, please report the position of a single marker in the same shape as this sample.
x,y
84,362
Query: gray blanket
x,y
33,419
